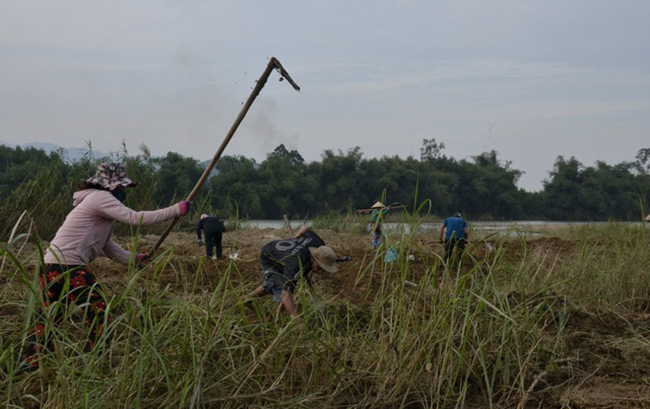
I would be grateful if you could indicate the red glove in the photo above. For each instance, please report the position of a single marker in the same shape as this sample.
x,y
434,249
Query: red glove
x,y
185,207
139,260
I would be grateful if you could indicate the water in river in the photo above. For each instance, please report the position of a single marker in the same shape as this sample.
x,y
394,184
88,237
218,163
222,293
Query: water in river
x,y
532,228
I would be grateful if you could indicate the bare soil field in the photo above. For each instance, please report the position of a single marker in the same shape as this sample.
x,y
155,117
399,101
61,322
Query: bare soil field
x,y
607,353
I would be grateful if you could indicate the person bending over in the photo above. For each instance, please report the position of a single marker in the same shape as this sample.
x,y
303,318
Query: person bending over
x,y
213,230
284,262
456,237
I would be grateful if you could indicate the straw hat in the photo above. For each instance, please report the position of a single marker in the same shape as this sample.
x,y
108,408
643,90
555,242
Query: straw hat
x,y
110,175
325,257
378,205
204,215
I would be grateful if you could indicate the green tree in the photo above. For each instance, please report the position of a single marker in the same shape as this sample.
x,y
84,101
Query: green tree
x,y
431,150
488,187
340,178
563,191
601,192
642,163
237,184
176,177
19,165
286,187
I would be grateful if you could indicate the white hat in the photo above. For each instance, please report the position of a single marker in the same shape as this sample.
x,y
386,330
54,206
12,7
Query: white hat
x,y
378,205
204,215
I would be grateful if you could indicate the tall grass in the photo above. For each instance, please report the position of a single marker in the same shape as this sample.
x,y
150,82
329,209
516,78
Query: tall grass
x,y
47,195
418,332
44,194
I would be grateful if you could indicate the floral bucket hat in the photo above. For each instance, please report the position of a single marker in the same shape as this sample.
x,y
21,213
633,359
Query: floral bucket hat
x,y
111,175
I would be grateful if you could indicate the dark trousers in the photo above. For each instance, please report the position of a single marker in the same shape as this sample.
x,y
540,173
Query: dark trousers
x,y
213,239
454,244
376,238
62,285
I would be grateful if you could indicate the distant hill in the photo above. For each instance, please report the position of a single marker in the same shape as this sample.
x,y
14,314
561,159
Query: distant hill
x,y
69,154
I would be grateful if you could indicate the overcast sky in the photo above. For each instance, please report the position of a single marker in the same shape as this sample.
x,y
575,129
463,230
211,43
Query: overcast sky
x,y
530,79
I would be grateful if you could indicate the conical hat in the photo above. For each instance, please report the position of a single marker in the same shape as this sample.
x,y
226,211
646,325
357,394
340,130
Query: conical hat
x,y
378,205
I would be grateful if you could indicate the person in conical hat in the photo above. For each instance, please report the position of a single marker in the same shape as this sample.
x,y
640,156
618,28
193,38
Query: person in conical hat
x,y
376,217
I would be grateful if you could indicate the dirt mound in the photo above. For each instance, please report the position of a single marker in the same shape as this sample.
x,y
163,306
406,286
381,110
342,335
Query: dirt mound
x,y
610,352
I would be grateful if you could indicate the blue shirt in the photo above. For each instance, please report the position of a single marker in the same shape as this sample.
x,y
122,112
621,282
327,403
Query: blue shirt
x,y
455,227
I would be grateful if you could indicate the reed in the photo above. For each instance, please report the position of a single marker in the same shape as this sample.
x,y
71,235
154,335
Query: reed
x,y
416,332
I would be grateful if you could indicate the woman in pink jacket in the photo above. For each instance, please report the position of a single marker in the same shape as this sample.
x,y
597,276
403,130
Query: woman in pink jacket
x,y
85,235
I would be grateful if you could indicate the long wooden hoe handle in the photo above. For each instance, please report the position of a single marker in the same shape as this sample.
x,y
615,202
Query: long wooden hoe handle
x,y
273,64
286,220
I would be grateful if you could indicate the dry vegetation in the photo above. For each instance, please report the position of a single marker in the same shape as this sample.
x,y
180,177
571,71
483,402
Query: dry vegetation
x,y
555,321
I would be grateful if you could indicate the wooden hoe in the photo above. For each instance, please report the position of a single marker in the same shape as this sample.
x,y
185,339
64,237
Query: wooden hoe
x,y
273,64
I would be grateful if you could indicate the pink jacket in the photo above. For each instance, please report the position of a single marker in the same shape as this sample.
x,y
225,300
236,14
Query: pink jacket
x,y
86,231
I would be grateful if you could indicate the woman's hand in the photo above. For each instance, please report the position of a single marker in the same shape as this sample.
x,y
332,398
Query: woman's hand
x,y
141,260
185,206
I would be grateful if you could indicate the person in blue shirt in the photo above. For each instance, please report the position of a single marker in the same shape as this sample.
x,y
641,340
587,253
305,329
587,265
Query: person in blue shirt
x,y
456,237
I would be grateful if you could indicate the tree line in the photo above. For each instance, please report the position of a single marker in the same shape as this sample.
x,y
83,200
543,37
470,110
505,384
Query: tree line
x,y
482,187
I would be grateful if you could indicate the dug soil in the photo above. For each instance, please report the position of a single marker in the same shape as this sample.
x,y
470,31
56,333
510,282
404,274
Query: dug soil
x,y
607,352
